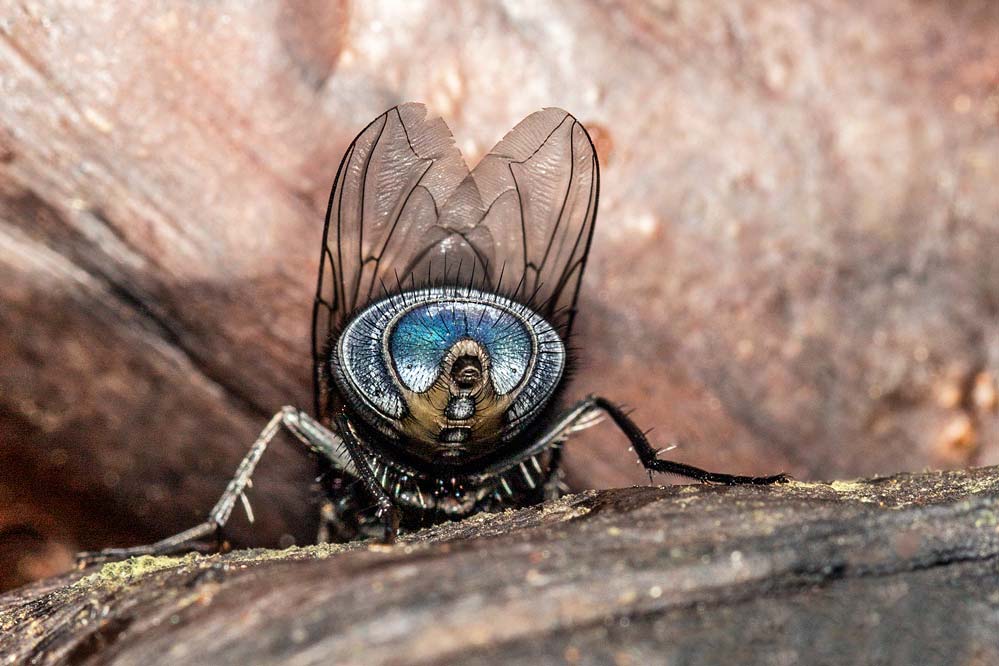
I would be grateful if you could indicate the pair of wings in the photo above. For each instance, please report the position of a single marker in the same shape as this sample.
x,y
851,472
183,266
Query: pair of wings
x,y
405,212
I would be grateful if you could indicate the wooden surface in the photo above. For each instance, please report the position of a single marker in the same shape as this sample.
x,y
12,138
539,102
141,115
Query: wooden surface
x,y
897,570
794,268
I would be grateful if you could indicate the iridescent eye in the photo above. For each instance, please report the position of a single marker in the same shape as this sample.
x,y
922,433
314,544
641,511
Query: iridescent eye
x,y
421,337
396,350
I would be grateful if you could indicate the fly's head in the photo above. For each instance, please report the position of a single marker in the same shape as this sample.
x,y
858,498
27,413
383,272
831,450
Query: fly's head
x,y
447,373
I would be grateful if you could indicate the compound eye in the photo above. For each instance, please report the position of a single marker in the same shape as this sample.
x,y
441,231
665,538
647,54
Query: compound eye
x,y
423,336
359,367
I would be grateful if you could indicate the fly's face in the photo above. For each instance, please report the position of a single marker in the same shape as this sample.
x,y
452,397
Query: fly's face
x,y
448,373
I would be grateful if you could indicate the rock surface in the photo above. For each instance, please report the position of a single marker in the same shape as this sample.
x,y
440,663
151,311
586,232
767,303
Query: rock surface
x,y
795,263
896,570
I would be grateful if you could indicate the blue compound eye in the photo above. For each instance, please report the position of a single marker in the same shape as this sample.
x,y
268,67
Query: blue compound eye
x,y
390,357
423,336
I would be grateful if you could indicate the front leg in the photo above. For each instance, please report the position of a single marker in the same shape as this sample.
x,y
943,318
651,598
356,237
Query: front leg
x,y
649,456
387,509
582,415
306,429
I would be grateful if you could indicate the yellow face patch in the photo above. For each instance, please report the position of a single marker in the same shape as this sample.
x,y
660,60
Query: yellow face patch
x,y
462,410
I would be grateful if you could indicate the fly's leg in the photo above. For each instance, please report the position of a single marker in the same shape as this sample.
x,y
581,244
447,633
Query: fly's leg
x,y
387,510
554,486
649,456
581,415
306,429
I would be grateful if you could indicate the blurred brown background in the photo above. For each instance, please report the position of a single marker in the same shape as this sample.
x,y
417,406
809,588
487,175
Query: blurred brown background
x,y
796,262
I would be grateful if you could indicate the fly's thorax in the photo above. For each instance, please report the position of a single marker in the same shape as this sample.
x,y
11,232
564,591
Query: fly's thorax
x,y
449,373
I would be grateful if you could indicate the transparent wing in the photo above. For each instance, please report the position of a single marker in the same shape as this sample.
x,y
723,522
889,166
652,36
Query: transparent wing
x,y
385,203
527,211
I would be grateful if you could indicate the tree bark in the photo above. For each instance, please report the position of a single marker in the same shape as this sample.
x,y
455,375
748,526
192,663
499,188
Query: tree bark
x,y
893,570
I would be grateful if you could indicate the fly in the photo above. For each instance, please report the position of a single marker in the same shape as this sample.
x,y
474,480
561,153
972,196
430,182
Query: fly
x,y
444,304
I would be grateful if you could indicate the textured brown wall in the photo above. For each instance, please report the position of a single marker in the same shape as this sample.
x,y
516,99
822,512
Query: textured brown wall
x,y
796,263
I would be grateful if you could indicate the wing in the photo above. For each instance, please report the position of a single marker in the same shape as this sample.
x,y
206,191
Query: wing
x,y
385,202
528,211
406,212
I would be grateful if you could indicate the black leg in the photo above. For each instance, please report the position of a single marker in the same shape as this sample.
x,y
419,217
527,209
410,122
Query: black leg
x,y
582,415
650,456
307,430
552,482
387,510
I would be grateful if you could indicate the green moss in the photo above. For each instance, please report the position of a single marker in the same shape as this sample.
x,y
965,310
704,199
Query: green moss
x,y
136,567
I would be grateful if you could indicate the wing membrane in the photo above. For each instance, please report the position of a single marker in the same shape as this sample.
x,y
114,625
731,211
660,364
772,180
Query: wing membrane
x,y
532,200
